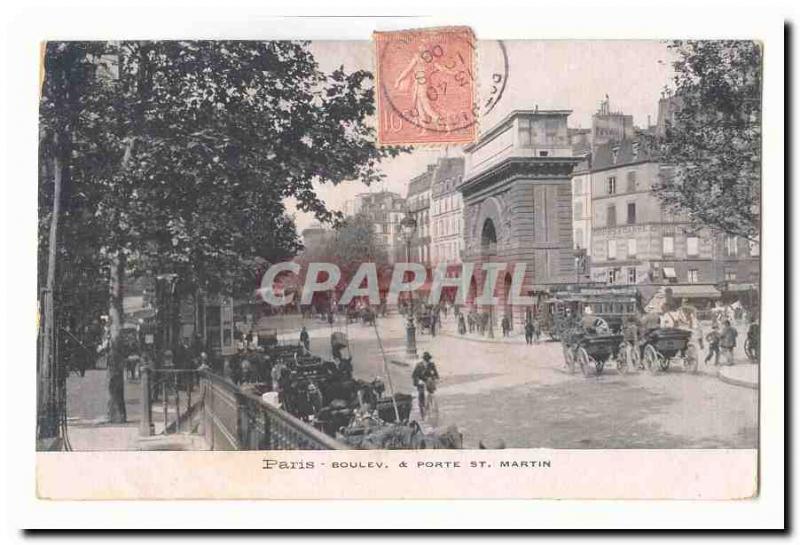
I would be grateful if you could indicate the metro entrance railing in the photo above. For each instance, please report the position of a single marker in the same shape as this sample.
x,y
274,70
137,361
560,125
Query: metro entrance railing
x,y
200,401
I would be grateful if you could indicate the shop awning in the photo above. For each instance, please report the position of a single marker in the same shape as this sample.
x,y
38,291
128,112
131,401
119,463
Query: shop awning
x,y
669,272
696,292
741,287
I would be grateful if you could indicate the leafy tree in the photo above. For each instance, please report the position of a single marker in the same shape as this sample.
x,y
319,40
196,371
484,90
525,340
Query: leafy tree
x,y
189,149
713,144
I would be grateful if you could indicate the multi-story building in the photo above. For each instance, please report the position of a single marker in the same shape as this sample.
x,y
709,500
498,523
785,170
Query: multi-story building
x,y
386,209
447,218
636,240
418,201
582,206
609,126
517,202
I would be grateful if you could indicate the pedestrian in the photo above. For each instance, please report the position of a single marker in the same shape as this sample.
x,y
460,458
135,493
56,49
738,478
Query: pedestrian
x,y
537,330
727,342
433,317
713,339
529,332
304,339
505,326
131,364
425,372
462,327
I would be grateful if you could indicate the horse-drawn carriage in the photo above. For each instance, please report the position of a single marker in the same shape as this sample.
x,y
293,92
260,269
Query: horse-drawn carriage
x,y
665,344
591,353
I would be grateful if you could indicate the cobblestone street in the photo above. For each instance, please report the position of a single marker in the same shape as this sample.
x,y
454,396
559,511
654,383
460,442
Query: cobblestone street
x,y
521,396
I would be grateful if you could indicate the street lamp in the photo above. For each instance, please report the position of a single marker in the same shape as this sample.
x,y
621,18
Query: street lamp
x,y
408,225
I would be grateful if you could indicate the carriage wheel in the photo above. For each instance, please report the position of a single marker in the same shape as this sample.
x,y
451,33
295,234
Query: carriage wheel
x,y
622,359
584,360
569,359
690,359
651,359
663,363
750,351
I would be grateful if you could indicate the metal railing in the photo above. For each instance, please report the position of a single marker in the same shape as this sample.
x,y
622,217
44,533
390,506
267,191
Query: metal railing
x,y
167,400
235,420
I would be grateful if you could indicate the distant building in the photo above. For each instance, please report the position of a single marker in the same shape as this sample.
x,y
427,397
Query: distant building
x,y
447,217
386,209
418,201
315,236
609,126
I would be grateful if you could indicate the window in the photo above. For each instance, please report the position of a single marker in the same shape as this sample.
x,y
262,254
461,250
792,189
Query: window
x,y
692,276
611,185
631,181
543,154
631,213
692,246
631,275
611,216
612,249
578,208
635,150
731,246
525,132
730,275
613,276
668,245
615,154
631,247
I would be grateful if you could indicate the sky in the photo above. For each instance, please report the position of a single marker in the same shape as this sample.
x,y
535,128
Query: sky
x,y
554,74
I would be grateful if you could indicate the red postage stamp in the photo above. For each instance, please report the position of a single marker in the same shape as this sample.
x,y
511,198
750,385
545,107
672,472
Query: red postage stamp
x,y
426,86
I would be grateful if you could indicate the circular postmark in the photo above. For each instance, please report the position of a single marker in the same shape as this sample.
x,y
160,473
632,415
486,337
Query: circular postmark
x,y
428,80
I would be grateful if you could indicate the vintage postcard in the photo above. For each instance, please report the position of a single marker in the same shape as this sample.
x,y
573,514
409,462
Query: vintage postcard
x,y
426,265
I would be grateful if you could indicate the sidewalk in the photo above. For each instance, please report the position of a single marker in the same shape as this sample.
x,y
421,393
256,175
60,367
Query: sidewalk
x,y
88,430
741,374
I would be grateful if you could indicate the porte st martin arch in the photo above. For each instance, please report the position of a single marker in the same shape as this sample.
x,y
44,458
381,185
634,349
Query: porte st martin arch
x,y
517,197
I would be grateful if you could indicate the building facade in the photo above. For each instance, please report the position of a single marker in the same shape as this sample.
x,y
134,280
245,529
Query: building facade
x,y
582,206
418,201
609,126
517,203
637,241
385,209
447,217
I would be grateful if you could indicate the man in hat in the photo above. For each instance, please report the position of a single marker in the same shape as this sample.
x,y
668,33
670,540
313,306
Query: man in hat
x,y
713,344
727,342
424,371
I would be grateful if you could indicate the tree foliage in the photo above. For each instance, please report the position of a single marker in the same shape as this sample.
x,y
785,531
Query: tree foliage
x,y
713,142
181,154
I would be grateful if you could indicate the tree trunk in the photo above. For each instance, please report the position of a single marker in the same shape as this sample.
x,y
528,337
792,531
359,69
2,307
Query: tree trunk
x,y
48,406
116,358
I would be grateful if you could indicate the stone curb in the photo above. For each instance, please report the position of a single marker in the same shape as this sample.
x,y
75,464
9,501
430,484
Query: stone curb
x,y
497,340
736,381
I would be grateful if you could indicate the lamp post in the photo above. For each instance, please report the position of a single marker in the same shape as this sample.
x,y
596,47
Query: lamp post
x,y
408,225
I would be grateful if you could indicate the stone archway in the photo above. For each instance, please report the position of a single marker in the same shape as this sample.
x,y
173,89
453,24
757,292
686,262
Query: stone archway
x,y
488,238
